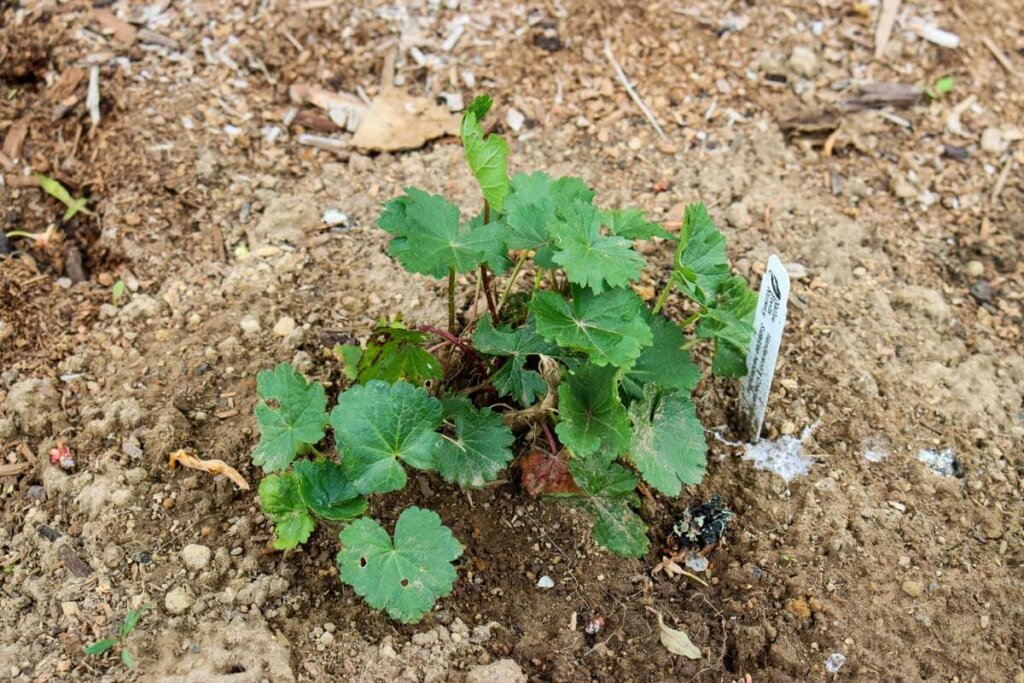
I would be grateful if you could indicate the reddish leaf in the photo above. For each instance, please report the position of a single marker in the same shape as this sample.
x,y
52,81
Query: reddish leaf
x,y
544,474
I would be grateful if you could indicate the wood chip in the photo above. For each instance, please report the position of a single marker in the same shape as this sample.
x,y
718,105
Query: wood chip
x,y
66,84
1000,56
10,469
15,139
154,38
878,95
72,562
123,32
185,459
886,20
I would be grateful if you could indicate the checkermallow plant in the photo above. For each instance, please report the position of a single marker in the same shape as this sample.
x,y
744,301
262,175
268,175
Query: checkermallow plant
x,y
565,366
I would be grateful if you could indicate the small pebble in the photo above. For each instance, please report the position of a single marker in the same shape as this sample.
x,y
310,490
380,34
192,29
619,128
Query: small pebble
x,y
196,556
284,326
975,269
545,582
913,588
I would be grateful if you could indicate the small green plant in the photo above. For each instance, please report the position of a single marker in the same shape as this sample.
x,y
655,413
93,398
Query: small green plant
x,y
131,620
72,205
117,291
568,367
943,86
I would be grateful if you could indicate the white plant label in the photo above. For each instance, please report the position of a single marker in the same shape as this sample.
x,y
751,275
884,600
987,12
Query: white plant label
x,y
769,319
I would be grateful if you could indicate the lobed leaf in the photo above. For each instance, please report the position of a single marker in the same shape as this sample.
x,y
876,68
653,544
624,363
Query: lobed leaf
x,y
701,264
592,420
668,446
377,424
589,258
487,157
731,323
513,379
429,239
532,208
631,224
295,424
405,577
480,448
665,363
394,352
608,496
282,503
327,490
608,327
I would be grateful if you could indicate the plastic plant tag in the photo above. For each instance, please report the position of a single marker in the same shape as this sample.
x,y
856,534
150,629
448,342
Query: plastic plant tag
x,y
769,319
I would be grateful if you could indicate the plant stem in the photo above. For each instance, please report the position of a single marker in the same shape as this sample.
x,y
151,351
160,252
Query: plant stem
x,y
550,437
537,279
512,280
451,300
663,296
691,320
553,280
20,233
485,276
448,337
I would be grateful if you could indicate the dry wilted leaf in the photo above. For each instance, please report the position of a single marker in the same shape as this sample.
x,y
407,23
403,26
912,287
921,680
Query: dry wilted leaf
x,y
676,641
184,458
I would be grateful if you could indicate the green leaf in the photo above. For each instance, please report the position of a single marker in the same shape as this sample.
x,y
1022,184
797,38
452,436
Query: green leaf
x,y
349,355
128,659
701,264
131,620
53,188
665,363
117,291
532,207
489,240
101,646
513,379
395,352
480,447
326,489
377,424
487,158
608,327
589,258
668,447
282,503
590,416
631,224
609,493
945,85
731,323
406,577
295,424
429,239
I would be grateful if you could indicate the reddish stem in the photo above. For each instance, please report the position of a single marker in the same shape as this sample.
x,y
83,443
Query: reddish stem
x,y
485,276
550,438
448,337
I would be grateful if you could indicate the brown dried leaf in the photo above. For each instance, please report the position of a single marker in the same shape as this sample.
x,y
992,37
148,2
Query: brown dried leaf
x,y
185,459
396,121
546,474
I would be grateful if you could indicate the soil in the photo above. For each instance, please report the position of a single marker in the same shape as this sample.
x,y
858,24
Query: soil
x,y
901,228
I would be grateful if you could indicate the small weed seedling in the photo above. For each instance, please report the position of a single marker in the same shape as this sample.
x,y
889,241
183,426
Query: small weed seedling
x,y
567,367
131,620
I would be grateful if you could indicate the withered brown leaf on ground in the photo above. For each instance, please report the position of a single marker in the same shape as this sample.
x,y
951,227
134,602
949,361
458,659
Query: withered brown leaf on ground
x,y
185,459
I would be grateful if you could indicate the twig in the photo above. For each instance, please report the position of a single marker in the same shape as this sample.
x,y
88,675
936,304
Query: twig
x,y
1000,56
630,91
1004,175
92,98
886,19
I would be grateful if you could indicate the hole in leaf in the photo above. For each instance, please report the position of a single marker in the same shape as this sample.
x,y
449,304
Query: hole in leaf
x,y
404,582
362,561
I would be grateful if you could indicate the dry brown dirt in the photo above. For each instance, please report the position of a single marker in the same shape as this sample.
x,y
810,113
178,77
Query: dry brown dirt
x,y
902,228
